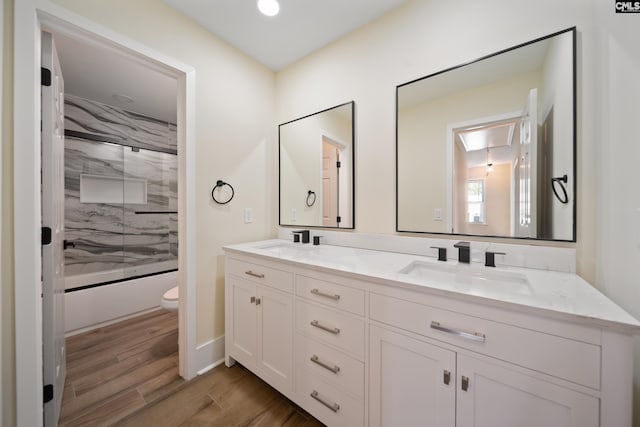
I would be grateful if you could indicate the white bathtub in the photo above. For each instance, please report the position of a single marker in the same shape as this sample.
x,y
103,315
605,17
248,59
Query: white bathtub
x,y
93,307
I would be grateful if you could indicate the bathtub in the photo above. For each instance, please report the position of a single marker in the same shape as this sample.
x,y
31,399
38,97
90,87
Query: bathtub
x,y
97,299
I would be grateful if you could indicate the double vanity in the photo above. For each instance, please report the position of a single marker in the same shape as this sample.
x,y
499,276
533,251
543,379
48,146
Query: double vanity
x,y
369,337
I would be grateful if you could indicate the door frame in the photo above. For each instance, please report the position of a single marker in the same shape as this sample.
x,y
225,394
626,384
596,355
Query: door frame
x,y
30,17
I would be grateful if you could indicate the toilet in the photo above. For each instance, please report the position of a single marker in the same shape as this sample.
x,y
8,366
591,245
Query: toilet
x,y
170,299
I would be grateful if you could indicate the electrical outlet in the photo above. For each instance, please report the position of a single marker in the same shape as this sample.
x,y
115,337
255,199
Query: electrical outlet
x,y
437,214
248,215
294,215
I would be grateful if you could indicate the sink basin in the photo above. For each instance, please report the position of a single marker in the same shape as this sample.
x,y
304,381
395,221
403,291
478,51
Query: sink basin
x,y
469,278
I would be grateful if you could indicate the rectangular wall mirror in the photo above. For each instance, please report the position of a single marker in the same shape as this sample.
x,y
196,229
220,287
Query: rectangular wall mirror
x,y
316,169
488,148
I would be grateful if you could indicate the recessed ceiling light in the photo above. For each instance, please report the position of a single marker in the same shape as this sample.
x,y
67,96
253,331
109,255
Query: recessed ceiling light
x,y
269,7
122,98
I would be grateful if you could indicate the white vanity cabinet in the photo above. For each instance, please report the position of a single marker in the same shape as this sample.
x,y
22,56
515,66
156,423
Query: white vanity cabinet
x,y
356,350
259,321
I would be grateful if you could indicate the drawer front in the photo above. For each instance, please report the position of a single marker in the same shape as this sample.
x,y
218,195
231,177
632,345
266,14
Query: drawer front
x,y
331,294
331,327
564,358
340,370
279,279
329,404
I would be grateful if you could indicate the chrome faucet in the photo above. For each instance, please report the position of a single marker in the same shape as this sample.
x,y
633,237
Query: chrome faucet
x,y
301,233
464,252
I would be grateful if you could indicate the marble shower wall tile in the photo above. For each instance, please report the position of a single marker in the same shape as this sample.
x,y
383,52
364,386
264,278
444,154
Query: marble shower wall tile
x,y
112,236
124,127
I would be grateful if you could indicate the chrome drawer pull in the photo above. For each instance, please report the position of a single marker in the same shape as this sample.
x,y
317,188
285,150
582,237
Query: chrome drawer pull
x,y
473,336
258,275
335,368
323,294
317,324
333,406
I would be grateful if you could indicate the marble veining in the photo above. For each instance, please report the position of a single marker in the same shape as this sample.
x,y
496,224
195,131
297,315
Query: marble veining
x,y
125,127
111,236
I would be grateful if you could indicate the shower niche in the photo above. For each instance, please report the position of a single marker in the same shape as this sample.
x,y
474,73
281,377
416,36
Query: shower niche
x,y
121,201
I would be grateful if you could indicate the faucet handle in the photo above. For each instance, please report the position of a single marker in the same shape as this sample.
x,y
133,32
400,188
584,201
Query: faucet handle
x,y
490,258
442,252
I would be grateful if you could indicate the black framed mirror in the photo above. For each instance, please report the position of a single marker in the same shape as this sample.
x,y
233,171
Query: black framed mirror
x,y
316,169
488,148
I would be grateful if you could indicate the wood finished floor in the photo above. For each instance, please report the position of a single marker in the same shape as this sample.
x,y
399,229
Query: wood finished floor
x,y
126,374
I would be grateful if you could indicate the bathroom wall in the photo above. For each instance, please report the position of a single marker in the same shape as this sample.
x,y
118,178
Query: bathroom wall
x,y
109,237
617,96
235,136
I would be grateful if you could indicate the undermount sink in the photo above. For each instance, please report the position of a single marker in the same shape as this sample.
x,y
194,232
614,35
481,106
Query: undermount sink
x,y
483,279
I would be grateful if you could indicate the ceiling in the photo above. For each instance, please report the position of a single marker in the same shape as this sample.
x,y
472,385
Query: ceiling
x,y
97,73
301,27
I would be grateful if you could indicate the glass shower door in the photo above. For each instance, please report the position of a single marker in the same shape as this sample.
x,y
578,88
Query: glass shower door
x,y
150,212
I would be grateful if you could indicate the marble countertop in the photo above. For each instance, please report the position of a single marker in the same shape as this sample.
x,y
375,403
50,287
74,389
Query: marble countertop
x,y
554,294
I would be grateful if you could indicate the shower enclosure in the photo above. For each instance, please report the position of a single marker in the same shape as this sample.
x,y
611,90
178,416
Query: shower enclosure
x,y
121,212
121,201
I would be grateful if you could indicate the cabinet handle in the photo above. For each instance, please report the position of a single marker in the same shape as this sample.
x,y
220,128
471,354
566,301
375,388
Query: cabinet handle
x,y
473,336
319,325
258,275
335,368
323,294
447,377
253,300
465,383
331,405
257,301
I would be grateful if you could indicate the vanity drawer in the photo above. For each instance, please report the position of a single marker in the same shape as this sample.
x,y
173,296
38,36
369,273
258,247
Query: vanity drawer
x,y
574,361
279,279
334,366
331,327
329,404
331,294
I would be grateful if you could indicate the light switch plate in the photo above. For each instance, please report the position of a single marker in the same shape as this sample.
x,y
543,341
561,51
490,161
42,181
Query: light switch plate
x,y
437,214
294,215
248,215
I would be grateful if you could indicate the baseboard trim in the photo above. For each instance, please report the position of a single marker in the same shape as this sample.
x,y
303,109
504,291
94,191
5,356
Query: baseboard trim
x,y
209,355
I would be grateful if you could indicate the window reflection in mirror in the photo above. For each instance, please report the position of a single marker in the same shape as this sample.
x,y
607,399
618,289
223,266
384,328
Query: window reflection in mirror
x,y
316,169
478,145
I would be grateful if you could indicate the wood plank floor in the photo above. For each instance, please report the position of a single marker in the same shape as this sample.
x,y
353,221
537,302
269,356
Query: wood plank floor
x,y
126,374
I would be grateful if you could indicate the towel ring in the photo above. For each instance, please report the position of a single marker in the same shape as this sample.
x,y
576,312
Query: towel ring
x,y
221,184
311,195
561,181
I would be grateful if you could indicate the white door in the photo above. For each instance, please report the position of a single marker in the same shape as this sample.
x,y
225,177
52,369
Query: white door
x,y
330,194
243,334
54,365
496,396
412,383
275,337
527,188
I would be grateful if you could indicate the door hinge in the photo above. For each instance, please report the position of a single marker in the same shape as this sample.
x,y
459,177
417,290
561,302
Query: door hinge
x,y
47,393
46,235
338,219
45,76
338,164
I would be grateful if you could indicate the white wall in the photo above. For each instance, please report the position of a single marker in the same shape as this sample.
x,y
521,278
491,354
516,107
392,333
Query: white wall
x,y
618,98
235,135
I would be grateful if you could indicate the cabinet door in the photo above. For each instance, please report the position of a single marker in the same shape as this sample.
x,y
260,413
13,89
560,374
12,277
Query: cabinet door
x,y
243,327
275,337
408,380
496,395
